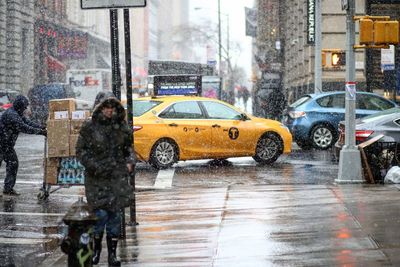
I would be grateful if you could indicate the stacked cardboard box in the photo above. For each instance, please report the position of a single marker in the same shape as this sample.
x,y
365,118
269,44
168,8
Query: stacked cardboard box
x,y
63,129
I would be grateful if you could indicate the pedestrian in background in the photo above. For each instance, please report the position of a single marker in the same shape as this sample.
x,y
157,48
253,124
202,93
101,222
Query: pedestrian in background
x,y
245,96
104,148
275,105
13,122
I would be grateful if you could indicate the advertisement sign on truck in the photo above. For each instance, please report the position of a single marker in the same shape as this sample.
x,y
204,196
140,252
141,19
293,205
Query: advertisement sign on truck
x,y
87,83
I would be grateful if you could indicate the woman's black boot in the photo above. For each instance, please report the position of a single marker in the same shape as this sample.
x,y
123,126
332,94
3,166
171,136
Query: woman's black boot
x,y
112,251
97,249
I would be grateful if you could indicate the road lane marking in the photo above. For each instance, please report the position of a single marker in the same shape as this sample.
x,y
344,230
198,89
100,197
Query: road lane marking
x,y
29,182
23,241
32,214
164,178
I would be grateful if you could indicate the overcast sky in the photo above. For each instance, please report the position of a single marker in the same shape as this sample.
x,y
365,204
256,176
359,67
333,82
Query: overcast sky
x,y
235,9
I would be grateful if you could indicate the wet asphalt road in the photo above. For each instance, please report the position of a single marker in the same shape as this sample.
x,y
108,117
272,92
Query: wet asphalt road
x,y
200,214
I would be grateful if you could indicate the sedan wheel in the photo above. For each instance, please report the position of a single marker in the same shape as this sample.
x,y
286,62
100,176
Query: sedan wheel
x,y
268,149
164,154
322,137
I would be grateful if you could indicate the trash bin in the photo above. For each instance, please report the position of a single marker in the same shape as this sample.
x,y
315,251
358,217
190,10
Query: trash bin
x,y
381,156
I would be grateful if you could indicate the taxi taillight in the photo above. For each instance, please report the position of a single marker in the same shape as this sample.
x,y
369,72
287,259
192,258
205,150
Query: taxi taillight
x,y
137,128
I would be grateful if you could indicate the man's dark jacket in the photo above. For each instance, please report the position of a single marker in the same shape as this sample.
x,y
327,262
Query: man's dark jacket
x,y
13,122
105,147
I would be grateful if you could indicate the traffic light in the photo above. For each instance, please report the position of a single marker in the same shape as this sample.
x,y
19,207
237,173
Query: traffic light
x,y
378,31
338,59
386,32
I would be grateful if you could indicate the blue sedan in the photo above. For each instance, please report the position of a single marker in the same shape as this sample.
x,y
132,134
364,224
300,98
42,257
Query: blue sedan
x,y
313,119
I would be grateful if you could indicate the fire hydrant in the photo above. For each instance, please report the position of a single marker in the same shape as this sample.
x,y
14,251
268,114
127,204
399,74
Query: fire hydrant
x,y
78,244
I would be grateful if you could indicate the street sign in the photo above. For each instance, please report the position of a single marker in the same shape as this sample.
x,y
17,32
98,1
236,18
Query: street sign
x,y
387,58
351,88
212,63
345,4
95,4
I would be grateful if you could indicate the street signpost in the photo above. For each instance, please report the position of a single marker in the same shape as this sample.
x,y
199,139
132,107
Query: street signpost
x,y
387,59
350,157
109,4
116,72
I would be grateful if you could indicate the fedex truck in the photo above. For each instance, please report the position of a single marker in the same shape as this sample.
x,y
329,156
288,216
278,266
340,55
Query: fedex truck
x,y
86,83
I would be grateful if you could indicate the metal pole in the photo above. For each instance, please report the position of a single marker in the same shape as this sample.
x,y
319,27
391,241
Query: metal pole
x,y
227,36
350,159
219,50
116,72
116,80
129,101
318,48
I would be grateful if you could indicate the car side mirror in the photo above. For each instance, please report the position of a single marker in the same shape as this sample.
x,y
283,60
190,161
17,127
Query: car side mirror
x,y
244,117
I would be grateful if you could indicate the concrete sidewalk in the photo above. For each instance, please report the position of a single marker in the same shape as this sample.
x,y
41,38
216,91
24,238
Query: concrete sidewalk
x,y
268,225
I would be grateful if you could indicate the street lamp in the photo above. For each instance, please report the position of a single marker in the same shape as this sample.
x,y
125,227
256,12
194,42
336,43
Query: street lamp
x,y
220,42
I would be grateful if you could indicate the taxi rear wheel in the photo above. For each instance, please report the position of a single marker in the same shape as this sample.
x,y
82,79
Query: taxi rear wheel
x,y
269,148
164,154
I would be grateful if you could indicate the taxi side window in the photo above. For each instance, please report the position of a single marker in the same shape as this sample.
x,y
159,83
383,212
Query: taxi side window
x,y
183,110
219,111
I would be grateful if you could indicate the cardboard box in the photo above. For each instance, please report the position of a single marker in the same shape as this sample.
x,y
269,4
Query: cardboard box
x,y
58,132
52,167
62,105
73,139
67,104
76,126
61,115
53,162
51,175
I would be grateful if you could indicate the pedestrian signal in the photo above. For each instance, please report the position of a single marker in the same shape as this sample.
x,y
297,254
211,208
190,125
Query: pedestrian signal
x,y
323,56
366,31
338,59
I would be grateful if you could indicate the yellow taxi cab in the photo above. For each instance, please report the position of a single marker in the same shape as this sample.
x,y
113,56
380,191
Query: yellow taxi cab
x,y
172,128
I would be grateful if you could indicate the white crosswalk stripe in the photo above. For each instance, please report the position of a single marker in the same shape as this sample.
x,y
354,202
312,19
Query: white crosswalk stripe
x,y
164,179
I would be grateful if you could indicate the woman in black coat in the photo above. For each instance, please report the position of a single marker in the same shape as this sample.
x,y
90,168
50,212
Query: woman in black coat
x,y
104,147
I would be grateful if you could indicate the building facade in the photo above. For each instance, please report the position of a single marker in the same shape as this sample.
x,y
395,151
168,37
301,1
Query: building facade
x,y
16,45
299,44
287,29
386,82
41,39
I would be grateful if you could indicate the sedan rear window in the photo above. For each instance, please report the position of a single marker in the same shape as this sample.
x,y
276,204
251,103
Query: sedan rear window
x,y
379,115
142,106
300,101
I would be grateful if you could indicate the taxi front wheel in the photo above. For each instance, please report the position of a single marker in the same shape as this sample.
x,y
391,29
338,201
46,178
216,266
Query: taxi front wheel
x,y
164,154
269,148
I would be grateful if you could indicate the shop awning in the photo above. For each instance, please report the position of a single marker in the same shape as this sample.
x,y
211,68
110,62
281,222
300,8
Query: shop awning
x,y
55,65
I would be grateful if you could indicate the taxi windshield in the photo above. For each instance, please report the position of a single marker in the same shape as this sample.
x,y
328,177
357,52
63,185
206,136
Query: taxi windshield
x,y
142,106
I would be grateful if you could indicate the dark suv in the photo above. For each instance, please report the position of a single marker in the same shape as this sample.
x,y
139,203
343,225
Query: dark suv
x,y
40,95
